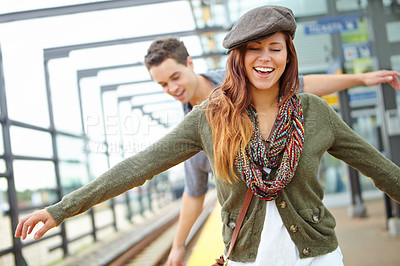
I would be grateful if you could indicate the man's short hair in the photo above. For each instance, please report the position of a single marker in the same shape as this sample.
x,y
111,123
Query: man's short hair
x,y
162,49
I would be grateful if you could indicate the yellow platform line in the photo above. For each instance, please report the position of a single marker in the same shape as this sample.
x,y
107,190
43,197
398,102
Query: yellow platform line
x,y
210,245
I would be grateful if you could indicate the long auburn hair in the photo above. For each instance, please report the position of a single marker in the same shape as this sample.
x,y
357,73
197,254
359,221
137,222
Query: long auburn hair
x,y
226,113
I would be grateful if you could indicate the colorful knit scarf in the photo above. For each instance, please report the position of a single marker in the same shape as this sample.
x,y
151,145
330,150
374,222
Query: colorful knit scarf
x,y
287,136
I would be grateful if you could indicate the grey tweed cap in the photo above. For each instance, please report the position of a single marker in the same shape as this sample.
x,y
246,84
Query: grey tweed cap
x,y
259,23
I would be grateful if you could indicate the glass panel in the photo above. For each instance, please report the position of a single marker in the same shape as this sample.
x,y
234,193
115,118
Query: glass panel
x,y
5,221
393,31
98,164
123,75
395,60
4,205
225,13
35,182
78,226
64,94
1,140
113,126
8,259
350,5
24,83
127,140
30,142
333,174
365,124
127,90
92,112
145,191
96,147
105,56
305,7
9,6
115,158
142,125
3,167
300,8
72,176
103,214
387,3
70,148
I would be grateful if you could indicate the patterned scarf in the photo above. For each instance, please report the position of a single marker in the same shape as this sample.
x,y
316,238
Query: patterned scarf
x,y
287,136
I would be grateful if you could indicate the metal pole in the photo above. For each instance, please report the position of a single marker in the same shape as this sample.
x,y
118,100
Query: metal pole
x,y
386,99
12,192
55,152
129,211
357,208
86,151
112,201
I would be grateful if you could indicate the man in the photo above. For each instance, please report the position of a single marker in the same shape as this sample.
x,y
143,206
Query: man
x,y
171,66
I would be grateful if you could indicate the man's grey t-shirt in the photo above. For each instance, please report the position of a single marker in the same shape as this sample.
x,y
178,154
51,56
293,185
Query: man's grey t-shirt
x,y
198,167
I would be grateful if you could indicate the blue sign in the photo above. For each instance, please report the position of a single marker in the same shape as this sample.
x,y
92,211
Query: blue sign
x,y
332,25
364,96
353,51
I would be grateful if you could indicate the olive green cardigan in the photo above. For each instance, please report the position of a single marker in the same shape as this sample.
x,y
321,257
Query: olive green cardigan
x,y
309,223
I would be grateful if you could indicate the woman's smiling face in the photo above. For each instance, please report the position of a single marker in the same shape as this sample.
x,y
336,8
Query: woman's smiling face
x,y
265,61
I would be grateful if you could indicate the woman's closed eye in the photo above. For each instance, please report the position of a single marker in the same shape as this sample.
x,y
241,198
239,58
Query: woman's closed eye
x,y
253,48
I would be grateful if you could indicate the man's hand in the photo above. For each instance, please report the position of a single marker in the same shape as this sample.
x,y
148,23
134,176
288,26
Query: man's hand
x,y
27,224
382,76
176,256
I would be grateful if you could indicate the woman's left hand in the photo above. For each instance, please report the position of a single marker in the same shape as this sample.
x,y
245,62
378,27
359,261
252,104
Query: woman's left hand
x,y
28,223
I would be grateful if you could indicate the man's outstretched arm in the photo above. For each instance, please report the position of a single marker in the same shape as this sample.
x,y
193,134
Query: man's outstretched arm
x,y
190,211
325,84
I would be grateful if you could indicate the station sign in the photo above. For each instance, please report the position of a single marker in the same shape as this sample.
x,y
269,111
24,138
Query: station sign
x,y
332,25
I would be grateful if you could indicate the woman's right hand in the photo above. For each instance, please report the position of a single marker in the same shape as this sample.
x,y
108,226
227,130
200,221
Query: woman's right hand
x,y
28,223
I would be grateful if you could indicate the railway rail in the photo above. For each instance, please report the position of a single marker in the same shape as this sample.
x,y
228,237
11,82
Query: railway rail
x,y
157,245
147,244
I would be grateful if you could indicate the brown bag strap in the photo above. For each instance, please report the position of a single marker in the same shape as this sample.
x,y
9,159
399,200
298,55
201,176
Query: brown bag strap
x,y
239,221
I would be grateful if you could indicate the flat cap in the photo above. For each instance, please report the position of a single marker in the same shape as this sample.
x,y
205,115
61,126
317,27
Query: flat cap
x,y
259,23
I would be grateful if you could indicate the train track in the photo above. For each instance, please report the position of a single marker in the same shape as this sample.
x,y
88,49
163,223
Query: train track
x,y
155,239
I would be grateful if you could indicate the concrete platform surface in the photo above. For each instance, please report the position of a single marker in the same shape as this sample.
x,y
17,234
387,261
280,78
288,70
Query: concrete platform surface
x,y
366,241
363,241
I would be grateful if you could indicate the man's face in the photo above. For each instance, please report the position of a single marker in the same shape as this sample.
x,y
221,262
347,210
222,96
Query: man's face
x,y
176,79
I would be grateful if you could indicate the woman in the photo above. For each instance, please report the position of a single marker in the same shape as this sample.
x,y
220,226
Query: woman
x,y
257,134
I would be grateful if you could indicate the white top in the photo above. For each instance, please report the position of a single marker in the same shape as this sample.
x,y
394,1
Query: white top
x,y
277,248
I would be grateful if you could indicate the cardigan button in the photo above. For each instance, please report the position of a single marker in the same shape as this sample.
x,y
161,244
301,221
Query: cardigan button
x,y
315,218
282,204
231,225
306,251
293,228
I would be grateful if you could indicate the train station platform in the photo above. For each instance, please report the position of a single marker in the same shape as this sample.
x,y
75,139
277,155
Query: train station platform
x,y
363,241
